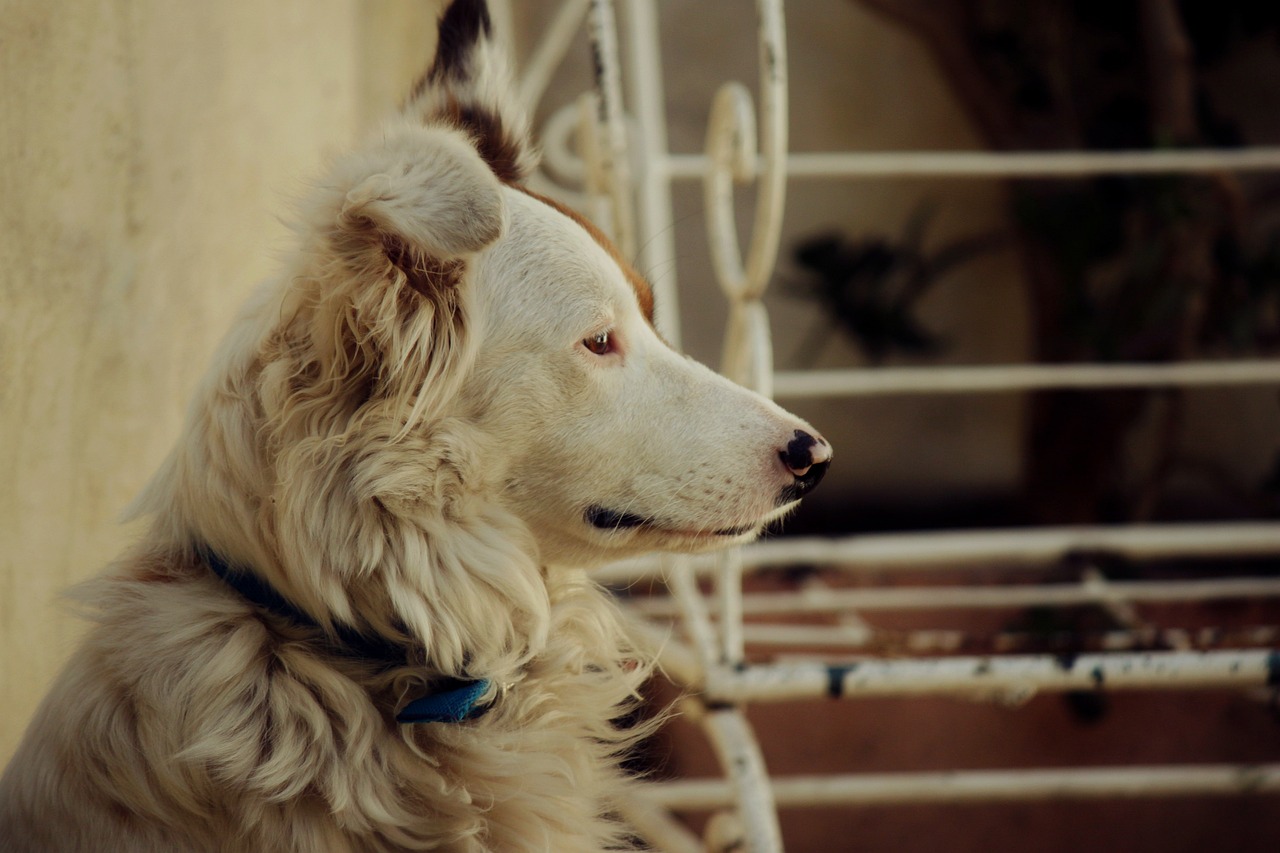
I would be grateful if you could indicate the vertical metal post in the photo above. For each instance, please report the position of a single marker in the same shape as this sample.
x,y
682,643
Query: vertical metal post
x,y
657,251
614,159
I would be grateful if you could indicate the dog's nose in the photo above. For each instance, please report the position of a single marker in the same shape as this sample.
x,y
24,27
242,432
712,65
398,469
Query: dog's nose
x,y
807,457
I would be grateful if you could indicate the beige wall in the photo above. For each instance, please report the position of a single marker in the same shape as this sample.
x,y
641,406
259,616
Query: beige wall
x,y
148,150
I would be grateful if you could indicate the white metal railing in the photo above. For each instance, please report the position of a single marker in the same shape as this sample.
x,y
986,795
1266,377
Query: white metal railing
x,y
703,625
986,164
827,600
962,550
1010,679
1007,785
1005,378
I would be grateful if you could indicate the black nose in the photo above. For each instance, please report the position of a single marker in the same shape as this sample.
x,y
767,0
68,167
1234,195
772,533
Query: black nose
x,y
807,458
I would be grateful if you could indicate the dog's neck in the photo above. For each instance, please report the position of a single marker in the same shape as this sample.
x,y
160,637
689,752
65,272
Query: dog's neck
x,y
449,702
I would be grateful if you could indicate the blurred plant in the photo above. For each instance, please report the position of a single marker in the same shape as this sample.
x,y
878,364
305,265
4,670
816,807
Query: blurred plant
x,y
871,288
1116,268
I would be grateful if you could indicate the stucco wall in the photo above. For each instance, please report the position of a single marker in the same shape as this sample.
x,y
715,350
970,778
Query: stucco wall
x,y
148,152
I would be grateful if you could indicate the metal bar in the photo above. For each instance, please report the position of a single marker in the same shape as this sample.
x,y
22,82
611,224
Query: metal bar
x,y
697,622
983,597
733,157
655,234
748,359
759,634
676,660
550,51
691,795
729,599
1030,548
1009,678
1111,600
994,164
740,757
613,163
973,379
652,821
949,640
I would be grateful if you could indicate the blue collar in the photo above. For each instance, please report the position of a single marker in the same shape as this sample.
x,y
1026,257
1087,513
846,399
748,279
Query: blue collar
x,y
452,702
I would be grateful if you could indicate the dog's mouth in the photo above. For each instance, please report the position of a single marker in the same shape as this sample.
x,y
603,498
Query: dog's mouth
x,y
603,518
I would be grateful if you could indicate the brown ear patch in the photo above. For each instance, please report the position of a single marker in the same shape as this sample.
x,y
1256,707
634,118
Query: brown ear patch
x,y
467,87
642,288
497,147
426,275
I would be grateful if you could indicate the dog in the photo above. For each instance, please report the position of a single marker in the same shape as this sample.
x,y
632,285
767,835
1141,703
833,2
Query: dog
x,y
360,619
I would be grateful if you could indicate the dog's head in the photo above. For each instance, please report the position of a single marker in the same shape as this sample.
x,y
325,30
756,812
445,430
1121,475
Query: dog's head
x,y
453,358
477,324
617,443
605,440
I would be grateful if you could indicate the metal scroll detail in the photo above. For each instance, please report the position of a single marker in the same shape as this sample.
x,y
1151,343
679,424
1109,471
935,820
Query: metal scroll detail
x,y
732,155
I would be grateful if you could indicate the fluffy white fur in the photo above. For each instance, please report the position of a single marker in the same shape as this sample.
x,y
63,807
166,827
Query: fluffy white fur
x,y
406,433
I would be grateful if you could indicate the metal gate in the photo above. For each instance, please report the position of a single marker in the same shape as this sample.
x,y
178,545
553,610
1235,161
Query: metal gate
x,y
626,174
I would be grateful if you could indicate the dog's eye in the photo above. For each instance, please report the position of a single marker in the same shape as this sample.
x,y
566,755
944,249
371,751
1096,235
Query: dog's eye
x,y
600,343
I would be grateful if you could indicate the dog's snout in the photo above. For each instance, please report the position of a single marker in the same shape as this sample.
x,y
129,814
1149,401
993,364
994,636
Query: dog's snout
x,y
803,452
807,457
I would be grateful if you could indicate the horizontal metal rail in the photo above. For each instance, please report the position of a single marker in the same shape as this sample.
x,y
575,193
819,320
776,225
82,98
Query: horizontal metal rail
x,y
691,795
656,824
828,600
881,641
965,549
996,164
1010,678
1008,378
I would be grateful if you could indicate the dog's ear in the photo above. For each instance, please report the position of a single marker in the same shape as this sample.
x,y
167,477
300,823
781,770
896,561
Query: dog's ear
x,y
428,192
379,310
469,87
422,199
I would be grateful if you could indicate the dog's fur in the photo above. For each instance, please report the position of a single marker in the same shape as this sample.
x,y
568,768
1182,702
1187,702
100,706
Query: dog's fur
x,y
450,401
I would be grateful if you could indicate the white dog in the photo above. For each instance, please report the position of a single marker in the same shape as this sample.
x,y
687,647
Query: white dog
x,y
358,622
